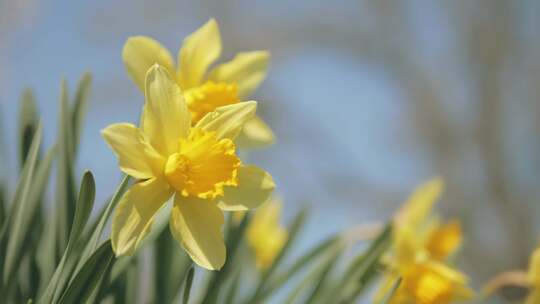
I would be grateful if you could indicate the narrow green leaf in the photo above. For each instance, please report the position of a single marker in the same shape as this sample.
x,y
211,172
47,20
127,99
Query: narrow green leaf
x,y
104,286
89,276
230,297
68,262
28,122
3,211
170,267
322,279
85,203
390,294
46,258
102,221
123,289
297,266
37,231
26,227
316,278
187,286
20,212
363,268
294,230
79,109
65,189
3,172
132,283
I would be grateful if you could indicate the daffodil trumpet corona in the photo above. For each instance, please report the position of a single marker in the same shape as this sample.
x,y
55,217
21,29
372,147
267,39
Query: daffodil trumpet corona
x,y
194,164
420,252
205,88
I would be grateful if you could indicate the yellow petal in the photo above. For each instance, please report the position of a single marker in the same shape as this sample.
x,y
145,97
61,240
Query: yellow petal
x,y
268,214
420,203
135,212
140,53
406,247
534,268
444,240
435,283
447,272
255,134
254,188
135,155
228,121
247,70
196,224
199,50
166,118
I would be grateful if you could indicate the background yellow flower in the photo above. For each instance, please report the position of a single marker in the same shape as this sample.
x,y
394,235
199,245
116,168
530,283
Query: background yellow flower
x,y
265,233
203,88
420,251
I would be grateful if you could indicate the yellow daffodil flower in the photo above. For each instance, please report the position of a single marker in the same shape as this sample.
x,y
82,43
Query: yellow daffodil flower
x,y
533,277
420,251
197,165
519,278
265,234
204,90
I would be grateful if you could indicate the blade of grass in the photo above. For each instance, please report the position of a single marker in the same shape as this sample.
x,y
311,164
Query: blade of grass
x,y
80,104
85,202
95,236
390,294
170,264
10,245
132,283
20,215
28,122
297,266
3,211
187,286
315,277
65,190
231,296
3,172
322,280
363,268
25,226
294,230
89,276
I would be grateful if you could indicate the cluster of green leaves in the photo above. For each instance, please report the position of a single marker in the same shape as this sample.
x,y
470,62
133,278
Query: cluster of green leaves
x,y
57,254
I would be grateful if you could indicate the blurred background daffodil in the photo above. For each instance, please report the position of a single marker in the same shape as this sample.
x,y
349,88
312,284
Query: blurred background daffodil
x,y
420,253
205,89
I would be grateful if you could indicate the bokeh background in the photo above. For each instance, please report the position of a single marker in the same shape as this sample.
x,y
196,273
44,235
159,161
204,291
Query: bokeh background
x,y
367,98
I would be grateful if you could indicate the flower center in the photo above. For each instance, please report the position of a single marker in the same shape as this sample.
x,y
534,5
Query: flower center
x,y
203,165
444,240
208,96
428,287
